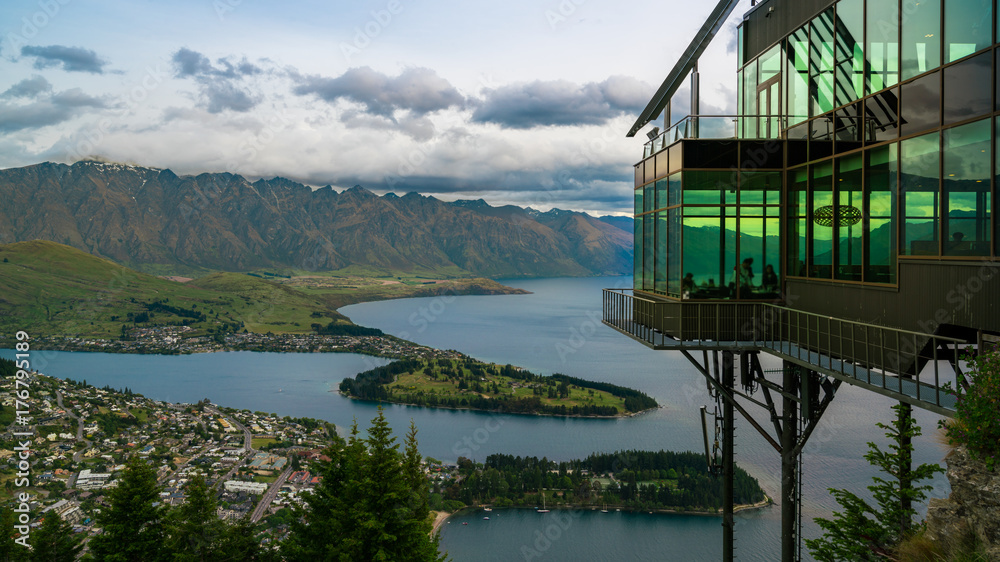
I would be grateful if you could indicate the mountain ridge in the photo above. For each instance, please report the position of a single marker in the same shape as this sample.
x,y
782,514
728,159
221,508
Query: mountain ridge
x,y
154,220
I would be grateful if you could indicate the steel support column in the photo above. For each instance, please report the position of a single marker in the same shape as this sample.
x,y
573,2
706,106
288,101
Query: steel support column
x,y
789,463
728,417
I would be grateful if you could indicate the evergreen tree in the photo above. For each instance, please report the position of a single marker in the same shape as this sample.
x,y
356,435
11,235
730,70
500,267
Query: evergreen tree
x,y
866,532
10,551
54,541
133,527
195,528
371,503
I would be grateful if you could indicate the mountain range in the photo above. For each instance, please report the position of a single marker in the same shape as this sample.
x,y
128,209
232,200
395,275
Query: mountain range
x,y
156,221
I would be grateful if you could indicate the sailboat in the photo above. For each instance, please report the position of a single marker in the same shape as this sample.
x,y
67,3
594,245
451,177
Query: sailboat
x,y
605,510
543,510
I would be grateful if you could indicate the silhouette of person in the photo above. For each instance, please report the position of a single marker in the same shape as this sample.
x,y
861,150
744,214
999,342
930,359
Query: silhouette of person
x,y
770,278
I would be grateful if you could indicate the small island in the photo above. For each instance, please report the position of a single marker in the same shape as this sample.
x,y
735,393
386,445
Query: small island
x,y
466,383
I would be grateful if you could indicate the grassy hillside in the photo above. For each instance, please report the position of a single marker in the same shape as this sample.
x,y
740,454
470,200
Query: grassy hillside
x,y
52,289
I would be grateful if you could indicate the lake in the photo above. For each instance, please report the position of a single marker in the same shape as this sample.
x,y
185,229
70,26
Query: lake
x,y
557,328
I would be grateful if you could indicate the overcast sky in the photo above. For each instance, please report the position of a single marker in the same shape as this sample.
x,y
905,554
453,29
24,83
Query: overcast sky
x,y
522,101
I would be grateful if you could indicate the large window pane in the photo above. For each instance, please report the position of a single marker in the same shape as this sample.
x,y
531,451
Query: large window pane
x,y
674,197
919,161
758,270
850,55
674,274
882,44
968,27
797,76
921,37
760,188
660,284
821,62
966,189
637,254
649,197
798,211
661,193
846,218
821,237
882,116
648,250
709,247
968,88
638,202
709,187
921,104
750,100
880,215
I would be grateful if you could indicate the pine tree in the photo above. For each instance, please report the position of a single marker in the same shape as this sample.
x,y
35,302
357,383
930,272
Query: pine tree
x,y
866,532
10,551
195,528
133,522
370,505
54,541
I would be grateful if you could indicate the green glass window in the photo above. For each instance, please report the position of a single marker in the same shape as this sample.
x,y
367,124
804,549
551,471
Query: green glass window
x,y
821,230
798,211
850,51
880,215
966,189
968,88
760,188
739,46
661,193
919,160
821,62
709,187
921,37
674,275
920,106
674,196
660,284
759,264
882,116
749,125
649,197
638,202
882,45
709,247
968,27
846,218
797,75
648,250
637,253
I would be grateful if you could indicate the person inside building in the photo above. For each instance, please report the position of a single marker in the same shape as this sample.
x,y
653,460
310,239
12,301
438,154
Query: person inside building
x,y
769,281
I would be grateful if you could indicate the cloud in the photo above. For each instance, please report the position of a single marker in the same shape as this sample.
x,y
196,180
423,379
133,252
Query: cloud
x,y
72,59
418,90
54,109
217,82
562,103
28,88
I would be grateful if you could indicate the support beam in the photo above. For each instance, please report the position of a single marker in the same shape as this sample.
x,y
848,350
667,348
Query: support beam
x,y
789,465
728,439
716,387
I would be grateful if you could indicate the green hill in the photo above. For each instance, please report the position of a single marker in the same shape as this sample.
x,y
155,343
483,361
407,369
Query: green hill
x,y
55,290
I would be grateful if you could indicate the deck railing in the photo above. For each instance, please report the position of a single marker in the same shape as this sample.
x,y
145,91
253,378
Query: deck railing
x,y
889,358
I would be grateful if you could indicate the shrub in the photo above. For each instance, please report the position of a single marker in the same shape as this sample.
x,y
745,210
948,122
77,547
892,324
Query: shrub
x,y
977,423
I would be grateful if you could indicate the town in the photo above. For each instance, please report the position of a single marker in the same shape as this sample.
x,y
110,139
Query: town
x,y
257,463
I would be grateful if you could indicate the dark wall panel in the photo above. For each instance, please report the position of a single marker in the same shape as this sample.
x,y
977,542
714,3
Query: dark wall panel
x,y
764,28
929,294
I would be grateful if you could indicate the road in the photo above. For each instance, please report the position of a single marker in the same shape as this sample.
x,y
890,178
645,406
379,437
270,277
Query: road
x,y
77,456
247,445
269,496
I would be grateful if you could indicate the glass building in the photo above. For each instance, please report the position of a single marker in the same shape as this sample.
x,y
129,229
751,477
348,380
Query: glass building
x,y
858,179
